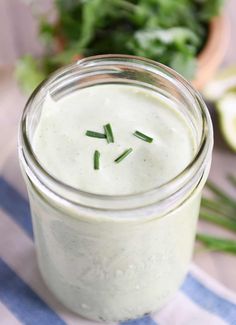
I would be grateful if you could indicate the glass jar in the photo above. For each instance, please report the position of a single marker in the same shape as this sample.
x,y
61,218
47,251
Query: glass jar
x,y
109,257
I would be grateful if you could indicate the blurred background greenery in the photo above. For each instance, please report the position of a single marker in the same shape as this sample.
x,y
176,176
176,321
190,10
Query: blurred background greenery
x,y
169,31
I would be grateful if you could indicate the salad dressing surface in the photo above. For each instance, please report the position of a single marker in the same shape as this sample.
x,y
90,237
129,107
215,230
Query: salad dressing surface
x,y
100,266
62,147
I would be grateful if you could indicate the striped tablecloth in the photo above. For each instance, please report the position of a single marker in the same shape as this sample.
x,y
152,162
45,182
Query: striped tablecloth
x,y
24,299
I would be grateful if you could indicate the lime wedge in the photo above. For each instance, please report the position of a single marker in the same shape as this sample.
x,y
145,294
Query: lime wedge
x,y
224,81
226,107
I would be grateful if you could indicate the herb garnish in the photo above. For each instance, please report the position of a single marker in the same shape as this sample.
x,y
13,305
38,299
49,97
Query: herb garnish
x,y
123,155
108,133
220,210
143,136
96,158
94,134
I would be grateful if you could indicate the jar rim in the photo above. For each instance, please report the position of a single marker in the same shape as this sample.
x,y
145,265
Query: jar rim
x,y
71,195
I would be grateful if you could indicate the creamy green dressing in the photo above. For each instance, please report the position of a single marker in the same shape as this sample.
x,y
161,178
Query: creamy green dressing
x,y
120,268
67,153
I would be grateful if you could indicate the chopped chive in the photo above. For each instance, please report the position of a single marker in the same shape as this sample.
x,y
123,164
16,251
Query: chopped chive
x,y
96,158
95,134
124,154
143,137
108,133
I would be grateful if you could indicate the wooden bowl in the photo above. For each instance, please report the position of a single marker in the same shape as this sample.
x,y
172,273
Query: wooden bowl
x,y
213,52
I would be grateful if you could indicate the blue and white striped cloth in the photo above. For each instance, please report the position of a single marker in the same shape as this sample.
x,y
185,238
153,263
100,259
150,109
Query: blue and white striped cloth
x,y
24,299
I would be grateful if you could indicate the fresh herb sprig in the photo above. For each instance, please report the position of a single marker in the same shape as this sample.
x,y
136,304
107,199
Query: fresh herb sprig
x,y
221,211
167,31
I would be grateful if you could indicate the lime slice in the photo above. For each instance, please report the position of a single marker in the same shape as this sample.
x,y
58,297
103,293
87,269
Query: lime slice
x,y
226,107
224,81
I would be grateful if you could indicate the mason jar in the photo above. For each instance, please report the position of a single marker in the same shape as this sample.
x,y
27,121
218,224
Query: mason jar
x,y
108,257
